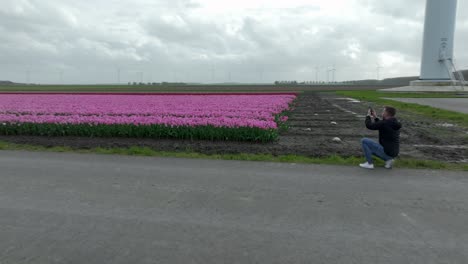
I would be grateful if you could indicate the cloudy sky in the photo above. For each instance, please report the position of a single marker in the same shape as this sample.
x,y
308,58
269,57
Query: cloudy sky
x,y
96,41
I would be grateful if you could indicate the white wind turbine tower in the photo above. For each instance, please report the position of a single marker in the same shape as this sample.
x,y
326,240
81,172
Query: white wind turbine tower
x,y
212,73
60,76
141,74
378,68
317,69
438,71
27,74
119,71
333,71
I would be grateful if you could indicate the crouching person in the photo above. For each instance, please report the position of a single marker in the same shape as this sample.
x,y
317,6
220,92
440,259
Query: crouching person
x,y
388,146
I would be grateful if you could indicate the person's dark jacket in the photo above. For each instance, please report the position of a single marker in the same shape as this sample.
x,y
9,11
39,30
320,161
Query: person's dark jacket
x,y
389,134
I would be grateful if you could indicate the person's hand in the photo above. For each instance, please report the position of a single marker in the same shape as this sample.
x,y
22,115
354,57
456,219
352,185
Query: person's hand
x,y
371,113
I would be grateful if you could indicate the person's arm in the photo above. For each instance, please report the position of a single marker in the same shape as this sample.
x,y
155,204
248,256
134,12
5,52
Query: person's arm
x,y
375,125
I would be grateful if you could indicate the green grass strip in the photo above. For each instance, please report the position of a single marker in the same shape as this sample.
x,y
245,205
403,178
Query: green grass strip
x,y
143,131
435,113
330,160
402,94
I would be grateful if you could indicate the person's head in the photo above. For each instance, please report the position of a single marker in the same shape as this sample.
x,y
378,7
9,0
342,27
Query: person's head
x,y
388,112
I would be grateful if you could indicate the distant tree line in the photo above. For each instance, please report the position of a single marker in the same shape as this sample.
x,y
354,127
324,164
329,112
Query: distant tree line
x,y
296,83
158,84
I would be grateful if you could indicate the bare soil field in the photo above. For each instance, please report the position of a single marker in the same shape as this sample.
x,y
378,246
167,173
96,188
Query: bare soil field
x,y
317,119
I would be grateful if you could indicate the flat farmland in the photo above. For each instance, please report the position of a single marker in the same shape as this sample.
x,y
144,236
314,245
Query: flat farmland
x,y
235,117
185,88
315,120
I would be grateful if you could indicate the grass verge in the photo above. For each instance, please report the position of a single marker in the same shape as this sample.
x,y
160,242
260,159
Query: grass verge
x,y
403,94
148,152
141,131
435,113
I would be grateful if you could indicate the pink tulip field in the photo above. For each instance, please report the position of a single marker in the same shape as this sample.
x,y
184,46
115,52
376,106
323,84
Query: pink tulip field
x,y
242,117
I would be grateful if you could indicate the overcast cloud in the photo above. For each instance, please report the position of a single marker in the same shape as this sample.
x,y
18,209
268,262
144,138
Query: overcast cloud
x,y
53,41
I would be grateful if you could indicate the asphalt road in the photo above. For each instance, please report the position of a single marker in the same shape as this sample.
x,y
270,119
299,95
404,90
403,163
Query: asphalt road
x,y
72,208
452,104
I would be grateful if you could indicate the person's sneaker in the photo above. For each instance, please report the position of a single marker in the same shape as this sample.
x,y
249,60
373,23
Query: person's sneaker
x,y
389,164
367,166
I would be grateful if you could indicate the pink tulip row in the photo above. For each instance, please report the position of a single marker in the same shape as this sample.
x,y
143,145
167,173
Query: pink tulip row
x,y
257,111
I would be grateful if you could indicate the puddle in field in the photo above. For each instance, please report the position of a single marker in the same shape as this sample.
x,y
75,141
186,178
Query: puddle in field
x,y
345,110
350,100
445,125
442,146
